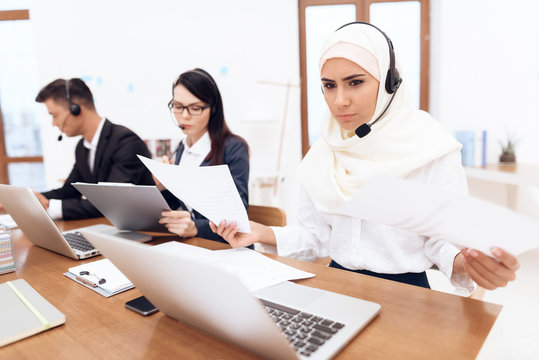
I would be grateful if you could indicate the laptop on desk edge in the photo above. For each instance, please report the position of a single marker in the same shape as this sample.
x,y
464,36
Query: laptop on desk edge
x,y
216,302
40,229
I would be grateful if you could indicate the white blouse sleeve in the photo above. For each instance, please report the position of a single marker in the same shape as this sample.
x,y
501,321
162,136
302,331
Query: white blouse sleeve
x,y
447,174
308,240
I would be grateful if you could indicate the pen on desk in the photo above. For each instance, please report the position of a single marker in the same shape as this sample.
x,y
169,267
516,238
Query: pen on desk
x,y
85,281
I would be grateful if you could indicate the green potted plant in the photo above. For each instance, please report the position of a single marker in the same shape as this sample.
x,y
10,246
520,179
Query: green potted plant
x,y
508,151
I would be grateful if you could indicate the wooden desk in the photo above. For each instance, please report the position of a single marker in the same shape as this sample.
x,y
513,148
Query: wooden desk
x,y
414,323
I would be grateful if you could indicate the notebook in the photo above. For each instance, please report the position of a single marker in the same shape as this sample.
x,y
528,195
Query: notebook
x,y
127,206
40,229
207,297
100,276
24,312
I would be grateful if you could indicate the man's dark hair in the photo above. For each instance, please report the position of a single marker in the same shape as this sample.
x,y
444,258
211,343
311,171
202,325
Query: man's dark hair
x,y
79,93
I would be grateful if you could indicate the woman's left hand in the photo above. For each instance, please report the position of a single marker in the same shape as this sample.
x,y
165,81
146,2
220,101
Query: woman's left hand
x,y
489,273
179,222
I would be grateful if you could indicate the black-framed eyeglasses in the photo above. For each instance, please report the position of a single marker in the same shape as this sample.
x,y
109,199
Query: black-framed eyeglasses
x,y
193,109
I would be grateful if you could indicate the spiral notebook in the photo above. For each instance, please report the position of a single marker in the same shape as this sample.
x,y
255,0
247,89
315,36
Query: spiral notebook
x,y
24,312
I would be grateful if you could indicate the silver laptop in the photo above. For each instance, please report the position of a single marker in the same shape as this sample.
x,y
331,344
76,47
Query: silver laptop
x,y
311,323
127,206
40,229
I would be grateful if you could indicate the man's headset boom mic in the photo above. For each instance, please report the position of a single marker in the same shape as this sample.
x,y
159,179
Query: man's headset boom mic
x,y
74,109
393,80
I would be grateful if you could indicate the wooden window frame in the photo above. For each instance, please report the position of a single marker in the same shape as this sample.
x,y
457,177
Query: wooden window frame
x,y
362,14
5,160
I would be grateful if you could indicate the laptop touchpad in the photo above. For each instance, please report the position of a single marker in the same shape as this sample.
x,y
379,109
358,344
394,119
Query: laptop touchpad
x,y
288,293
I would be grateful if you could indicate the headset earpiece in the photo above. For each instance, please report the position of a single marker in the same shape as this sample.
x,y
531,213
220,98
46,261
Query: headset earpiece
x,y
393,81
74,109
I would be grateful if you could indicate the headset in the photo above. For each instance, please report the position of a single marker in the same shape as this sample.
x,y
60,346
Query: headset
x,y
208,77
74,109
393,78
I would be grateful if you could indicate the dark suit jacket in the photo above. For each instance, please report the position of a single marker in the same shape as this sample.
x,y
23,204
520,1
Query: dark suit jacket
x,y
236,156
115,161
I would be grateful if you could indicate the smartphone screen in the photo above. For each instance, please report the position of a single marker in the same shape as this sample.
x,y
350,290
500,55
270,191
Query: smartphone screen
x,y
142,306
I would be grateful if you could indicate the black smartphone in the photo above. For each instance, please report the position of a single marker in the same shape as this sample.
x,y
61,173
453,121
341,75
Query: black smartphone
x,y
142,306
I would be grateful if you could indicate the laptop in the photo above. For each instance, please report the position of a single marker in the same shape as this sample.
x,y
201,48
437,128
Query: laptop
x,y
127,206
40,229
311,323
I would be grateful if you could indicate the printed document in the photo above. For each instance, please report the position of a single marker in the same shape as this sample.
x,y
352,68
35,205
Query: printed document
x,y
254,270
462,220
210,190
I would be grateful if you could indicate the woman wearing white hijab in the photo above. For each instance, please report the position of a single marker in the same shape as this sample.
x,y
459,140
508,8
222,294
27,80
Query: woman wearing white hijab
x,y
397,141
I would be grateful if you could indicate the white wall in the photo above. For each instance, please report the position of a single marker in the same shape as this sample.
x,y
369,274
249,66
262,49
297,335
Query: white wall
x,y
484,75
484,58
130,52
484,70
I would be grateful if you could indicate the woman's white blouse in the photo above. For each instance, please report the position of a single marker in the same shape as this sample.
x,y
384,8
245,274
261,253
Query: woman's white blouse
x,y
358,244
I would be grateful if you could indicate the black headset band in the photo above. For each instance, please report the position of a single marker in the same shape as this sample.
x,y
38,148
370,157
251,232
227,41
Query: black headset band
x,y
393,79
74,109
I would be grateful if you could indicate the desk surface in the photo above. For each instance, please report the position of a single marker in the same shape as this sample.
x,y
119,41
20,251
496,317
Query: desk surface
x,y
414,323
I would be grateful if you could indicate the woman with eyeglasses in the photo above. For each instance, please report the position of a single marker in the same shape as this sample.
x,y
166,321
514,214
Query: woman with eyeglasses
x,y
197,109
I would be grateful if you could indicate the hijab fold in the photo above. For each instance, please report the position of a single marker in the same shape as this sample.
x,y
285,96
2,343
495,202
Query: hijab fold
x,y
400,142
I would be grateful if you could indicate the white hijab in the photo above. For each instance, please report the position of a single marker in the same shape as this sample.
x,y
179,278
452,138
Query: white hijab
x,y
403,140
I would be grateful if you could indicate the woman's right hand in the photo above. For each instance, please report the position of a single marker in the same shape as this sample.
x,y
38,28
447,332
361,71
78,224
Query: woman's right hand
x,y
164,160
235,238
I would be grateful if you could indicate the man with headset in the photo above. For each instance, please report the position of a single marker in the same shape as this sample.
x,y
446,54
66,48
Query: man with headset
x,y
106,152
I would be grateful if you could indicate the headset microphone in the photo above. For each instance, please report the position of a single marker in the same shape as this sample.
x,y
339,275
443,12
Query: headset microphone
x,y
61,136
364,129
393,79
181,127
74,109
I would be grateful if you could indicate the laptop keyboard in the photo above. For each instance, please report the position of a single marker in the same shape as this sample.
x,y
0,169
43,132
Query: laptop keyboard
x,y
78,242
305,332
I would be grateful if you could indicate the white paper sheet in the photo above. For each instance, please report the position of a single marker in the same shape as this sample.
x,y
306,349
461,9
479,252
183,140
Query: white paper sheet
x,y
464,221
255,270
210,190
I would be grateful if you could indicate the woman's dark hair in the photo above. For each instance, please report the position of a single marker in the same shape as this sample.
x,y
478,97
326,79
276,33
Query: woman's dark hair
x,y
79,93
201,84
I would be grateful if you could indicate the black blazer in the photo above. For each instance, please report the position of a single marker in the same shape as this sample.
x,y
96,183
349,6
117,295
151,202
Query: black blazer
x,y
236,156
115,161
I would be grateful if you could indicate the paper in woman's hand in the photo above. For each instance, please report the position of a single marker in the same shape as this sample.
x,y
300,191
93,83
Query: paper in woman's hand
x,y
210,190
462,220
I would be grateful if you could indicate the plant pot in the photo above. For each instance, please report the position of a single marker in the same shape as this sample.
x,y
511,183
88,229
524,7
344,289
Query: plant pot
x,y
507,158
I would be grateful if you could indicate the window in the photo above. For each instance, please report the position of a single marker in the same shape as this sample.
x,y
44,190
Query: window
x,y
405,22
21,160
